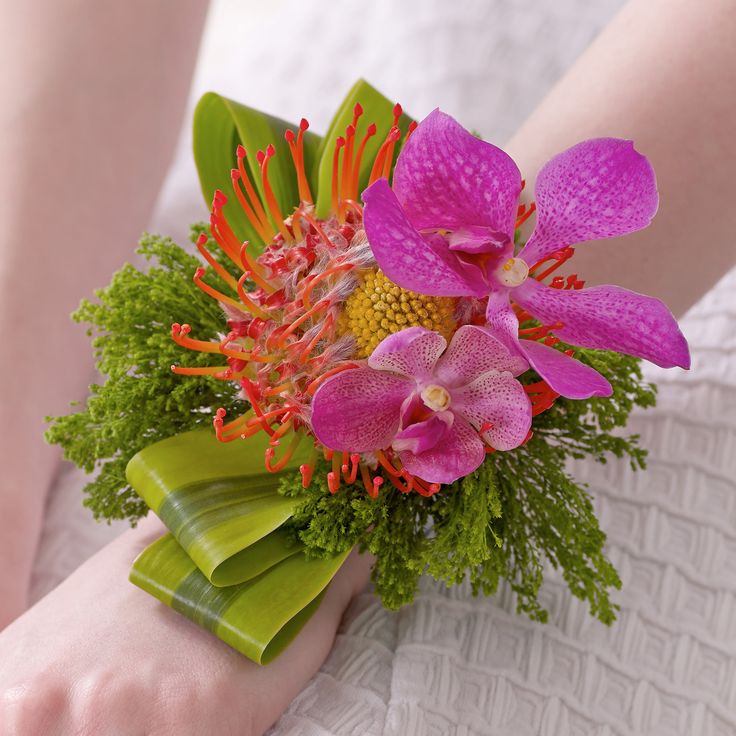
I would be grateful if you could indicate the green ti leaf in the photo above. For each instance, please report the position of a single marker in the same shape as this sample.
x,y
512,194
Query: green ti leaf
x,y
220,124
258,618
218,501
376,109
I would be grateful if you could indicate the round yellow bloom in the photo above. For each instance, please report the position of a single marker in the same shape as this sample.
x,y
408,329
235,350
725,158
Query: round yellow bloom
x,y
378,308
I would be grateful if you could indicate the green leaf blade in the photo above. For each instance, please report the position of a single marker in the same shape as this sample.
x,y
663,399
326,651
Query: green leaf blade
x,y
220,124
216,498
259,617
376,109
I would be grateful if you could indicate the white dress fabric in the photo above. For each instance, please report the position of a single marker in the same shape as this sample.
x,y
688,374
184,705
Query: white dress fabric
x,y
452,664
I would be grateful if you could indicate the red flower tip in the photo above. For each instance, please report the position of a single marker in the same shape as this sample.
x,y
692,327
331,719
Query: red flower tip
x,y
358,109
201,271
234,174
240,151
303,124
339,142
289,136
372,129
260,157
202,239
270,150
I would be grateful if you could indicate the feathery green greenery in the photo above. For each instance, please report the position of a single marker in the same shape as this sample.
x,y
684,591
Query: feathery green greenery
x,y
141,400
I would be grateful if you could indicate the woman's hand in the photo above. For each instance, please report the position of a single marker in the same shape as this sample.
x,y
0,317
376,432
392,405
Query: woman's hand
x,y
100,657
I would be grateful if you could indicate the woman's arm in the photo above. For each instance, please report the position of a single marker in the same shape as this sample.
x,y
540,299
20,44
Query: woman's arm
x,y
99,656
93,94
663,73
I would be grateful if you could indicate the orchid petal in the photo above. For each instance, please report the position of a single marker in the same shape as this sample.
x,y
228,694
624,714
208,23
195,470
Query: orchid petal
x,y
497,399
472,352
478,239
445,177
501,319
358,410
460,452
412,352
423,436
406,257
609,318
601,188
565,375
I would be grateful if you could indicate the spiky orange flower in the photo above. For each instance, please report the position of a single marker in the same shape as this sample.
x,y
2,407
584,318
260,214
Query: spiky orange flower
x,y
287,326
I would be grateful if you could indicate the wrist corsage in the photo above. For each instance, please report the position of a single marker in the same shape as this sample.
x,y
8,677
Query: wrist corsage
x,y
368,350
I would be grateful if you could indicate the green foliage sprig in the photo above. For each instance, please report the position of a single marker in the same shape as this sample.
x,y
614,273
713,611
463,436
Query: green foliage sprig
x,y
141,400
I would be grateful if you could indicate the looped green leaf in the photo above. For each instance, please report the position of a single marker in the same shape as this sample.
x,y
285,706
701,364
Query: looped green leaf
x,y
217,500
258,618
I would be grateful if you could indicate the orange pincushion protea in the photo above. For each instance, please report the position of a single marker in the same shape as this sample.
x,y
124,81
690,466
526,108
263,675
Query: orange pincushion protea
x,y
289,333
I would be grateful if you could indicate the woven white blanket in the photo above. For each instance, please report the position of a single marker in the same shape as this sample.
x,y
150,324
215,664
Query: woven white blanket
x,y
452,664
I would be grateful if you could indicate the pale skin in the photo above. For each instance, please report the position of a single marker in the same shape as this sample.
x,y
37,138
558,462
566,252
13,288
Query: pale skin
x,y
127,666
660,74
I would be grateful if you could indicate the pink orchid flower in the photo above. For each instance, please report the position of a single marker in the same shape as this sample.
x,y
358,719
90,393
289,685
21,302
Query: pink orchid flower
x,y
447,229
435,406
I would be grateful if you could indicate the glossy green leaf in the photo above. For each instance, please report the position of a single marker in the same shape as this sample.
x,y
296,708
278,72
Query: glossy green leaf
x,y
219,125
376,109
217,499
259,618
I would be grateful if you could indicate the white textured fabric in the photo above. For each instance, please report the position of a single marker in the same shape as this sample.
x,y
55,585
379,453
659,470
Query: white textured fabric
x,y
452,664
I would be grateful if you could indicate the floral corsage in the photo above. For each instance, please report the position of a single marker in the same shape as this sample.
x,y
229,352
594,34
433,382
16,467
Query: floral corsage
x,y
369,350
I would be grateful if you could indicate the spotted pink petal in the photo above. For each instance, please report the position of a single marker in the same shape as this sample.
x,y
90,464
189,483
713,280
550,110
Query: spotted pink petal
x,y
412,352
423,436
497,399
445,177
460,452
478,239
472,352
358,410
567,376
409,259
501,319
600,188
609,318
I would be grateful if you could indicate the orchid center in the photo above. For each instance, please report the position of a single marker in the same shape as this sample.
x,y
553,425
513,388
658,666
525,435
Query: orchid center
x,y
514,272
436,398
378,308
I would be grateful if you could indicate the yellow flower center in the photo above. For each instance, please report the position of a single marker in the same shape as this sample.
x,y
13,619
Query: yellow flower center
x,y
436,397
378,308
